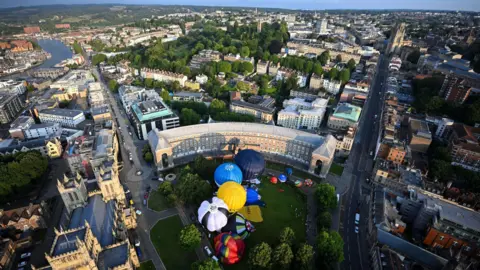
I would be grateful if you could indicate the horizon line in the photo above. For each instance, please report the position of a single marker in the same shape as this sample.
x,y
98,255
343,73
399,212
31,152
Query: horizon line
x,y
258,7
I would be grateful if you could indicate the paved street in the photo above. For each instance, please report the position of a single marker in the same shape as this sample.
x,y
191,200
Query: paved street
x,y
357,170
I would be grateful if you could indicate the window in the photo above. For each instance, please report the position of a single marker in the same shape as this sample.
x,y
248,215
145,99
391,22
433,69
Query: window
x,y
70,196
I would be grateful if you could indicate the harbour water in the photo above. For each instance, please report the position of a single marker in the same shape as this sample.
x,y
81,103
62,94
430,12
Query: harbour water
x,y
57,49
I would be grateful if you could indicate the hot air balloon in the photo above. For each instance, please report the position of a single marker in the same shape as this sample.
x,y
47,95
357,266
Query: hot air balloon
x,y
227,172
229,247
252,195
273,180
213,214
239,225
289,171
233,194
282,178
251,163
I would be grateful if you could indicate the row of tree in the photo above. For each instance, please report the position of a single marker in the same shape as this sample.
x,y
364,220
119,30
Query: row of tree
x,y
19,170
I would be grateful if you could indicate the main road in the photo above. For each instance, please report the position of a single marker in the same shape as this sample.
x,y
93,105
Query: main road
x,y
357,170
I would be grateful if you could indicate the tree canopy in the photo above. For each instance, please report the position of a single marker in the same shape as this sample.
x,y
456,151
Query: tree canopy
x,y
260,256
189,117
324,220
304,257
190,237
282,256
208,264
326,196
192,189
330,248
287,235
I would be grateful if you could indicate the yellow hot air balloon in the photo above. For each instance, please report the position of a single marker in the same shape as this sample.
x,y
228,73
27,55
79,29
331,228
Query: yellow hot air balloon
x,y
233,194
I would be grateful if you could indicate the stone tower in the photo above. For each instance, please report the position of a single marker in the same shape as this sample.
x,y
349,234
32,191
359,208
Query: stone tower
x,y
73,191
396,38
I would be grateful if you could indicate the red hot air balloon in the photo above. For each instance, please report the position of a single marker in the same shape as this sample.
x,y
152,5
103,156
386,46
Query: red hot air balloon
x,y
229,247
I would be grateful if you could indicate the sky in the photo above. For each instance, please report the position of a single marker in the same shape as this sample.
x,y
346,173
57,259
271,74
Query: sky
x,y
465,5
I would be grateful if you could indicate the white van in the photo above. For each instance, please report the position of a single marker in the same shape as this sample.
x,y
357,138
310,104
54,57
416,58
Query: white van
x,y
357,218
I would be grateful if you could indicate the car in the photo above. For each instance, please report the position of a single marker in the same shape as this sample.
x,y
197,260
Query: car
x,y
131,202
215,258
138,212
22,264
25,255
148,188
137,242
145,202
356,229
145,196
338,197
208,251
371,153
193,217
139,172
357,218
139,253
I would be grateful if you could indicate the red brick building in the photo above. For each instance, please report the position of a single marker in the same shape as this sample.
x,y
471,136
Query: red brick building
x,y
62,26
31,30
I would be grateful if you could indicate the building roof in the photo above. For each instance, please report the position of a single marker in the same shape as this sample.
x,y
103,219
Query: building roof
x,y
112,257
188,94
21,212
420,128
22,122
410,250
67,242
62,112
10,145
148,110
257,107
348,111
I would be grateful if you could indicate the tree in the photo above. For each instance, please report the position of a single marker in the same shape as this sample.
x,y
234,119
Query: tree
x,y
247,66
435,104
165,95
76,47
330,248
275,47
190,237
148,157
317,69
333,74
113,85
217,106
414,56
324,221
304,256
324,57
326,197
344,75
189,117
351,64
287,235
282,256
30,88
192,189
243,86
98,58
244,51
260,256
224,66
208,264
440,170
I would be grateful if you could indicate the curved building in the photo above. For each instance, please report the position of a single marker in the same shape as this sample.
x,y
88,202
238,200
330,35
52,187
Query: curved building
x,y
296,148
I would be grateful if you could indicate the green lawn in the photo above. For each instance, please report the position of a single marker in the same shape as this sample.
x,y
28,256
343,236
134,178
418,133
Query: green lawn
x,y
298,173
148,265
164,236
157,202
279,213
336,169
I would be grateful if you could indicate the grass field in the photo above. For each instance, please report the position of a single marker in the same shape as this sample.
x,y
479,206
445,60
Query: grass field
x,y
336,169
301,174
148,265
285,208
157,202
165,238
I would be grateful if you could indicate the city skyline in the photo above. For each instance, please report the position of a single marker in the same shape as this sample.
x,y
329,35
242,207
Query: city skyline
x,y
460,5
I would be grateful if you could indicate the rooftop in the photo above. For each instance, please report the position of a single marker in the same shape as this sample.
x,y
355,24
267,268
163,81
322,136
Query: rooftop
x,y
257,107
62,112
148,110
348,111
112,257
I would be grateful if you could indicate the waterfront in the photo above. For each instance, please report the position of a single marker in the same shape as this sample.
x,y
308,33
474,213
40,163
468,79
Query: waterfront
x,y
57,49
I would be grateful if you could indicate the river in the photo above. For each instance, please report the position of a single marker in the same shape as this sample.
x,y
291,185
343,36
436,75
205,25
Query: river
x,y
57,49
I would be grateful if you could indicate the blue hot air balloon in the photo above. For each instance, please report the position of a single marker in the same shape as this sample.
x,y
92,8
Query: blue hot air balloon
x,y
289,171
251,163
282,178
227,172
252,195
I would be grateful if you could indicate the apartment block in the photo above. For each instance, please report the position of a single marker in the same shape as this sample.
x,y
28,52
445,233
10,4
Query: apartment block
x,y
149,115
10,106
64,117
165,76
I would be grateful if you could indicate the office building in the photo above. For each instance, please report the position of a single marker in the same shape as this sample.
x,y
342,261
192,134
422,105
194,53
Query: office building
x,y
396,38
344,116
64,117
148,115
10,106
297,148
419,135
262,109
302,114
133,94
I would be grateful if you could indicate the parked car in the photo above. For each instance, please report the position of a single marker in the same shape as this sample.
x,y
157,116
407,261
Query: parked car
x,y
144,201
138,212
139,253
149,188
131,202
22,264
25,255
208,251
